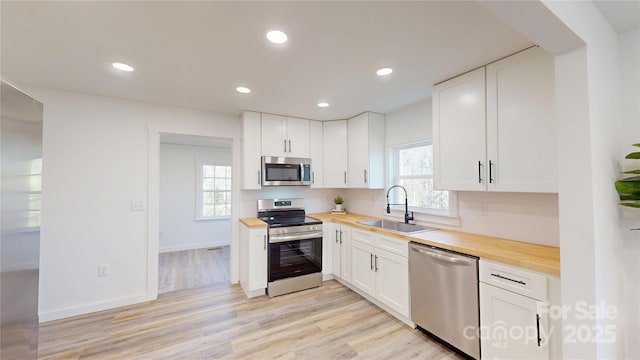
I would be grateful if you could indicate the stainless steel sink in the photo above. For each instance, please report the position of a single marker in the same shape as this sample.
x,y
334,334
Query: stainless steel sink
x,y
397,226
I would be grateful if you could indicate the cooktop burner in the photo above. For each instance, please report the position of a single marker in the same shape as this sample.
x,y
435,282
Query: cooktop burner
x,y
284,213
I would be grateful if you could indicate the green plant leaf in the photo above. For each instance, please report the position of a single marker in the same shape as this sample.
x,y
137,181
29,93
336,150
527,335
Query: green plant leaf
x,y
633,204
636,145
632,172
633,155
631,179
629,197
628,187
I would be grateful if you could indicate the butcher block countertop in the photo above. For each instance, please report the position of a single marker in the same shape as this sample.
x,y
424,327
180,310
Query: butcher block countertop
x,y
254,223
541,258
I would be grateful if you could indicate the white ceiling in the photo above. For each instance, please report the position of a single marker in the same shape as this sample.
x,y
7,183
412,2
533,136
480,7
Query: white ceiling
x,y
194,54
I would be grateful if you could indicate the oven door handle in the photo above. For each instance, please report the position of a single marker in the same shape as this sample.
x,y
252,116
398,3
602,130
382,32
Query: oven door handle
x,y
300,236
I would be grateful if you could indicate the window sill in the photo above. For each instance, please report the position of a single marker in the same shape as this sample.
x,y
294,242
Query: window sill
x,y
429,217
213,218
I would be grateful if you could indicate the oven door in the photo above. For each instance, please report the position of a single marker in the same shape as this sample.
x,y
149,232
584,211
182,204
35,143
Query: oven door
x,y
294,255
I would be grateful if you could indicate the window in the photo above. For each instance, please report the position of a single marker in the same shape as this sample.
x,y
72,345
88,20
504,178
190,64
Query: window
x,y
214,190
413,169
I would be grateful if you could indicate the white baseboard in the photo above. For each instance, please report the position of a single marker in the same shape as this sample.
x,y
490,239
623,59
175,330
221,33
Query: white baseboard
x,y
192,246
94,307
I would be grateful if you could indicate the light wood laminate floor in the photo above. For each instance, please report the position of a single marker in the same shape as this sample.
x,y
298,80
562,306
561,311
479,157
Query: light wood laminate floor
x,y
218,321
193,268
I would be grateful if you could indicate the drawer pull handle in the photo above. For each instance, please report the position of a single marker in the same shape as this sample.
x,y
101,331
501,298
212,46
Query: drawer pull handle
x,y
538,329
506,278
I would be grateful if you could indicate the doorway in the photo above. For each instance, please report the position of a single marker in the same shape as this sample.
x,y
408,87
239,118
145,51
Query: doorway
x,y
195,186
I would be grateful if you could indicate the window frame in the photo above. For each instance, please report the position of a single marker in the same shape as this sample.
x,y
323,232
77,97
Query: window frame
x,y
448,217
199,187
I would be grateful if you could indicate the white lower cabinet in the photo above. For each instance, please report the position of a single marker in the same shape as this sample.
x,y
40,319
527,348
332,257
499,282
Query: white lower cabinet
x,y
253,260
339,238
513,319
382,274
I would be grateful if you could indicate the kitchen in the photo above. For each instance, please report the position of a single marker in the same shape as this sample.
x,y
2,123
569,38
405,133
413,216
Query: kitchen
x,y
519,217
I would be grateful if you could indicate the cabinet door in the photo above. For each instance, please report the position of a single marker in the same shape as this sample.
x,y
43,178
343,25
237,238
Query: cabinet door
x,y
273,135
511,325
363,273
358,150
392,281
520,123
297,137
345,256
251,151
316,154
459,133
253,260
335,153
327,249
336,249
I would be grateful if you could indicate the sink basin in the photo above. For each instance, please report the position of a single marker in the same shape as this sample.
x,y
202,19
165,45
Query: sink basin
x,y
397,226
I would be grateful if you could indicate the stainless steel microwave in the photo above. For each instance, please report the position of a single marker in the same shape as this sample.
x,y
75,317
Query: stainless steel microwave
x,y
286,171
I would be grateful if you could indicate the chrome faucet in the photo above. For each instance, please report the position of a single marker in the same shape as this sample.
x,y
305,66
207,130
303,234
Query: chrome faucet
x,y
407,217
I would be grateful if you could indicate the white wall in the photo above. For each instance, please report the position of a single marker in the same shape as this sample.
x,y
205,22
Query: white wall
x,y
179,229
531,218
99,154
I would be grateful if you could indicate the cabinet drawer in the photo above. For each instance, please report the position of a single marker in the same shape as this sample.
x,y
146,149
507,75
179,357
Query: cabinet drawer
x,y
366,237
512,278
395,246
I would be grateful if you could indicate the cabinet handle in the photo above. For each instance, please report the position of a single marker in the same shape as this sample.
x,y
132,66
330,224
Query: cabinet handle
x,y
479,172
313,177
376,262
506,278
340,237
345,177
538,329
490,172
365,176
265,241
289,145
336,236
259,177
371,261
285,145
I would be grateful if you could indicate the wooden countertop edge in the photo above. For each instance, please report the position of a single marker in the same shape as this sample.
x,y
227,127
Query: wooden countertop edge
x,y
253,223
536,257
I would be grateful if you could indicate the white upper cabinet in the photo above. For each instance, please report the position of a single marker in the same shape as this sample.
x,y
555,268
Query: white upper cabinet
x,y
493,128
284,136
521,143
459,132
365,151
251,161
316,153
335,154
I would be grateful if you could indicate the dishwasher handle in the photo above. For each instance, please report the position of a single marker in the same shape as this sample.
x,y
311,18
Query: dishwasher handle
x,y
449,259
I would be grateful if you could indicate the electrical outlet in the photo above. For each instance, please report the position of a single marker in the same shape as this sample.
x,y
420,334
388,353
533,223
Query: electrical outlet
x,y
484,209
137,205
103,270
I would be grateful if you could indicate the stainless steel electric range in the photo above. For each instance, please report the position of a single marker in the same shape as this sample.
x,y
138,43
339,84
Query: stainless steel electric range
x,y
295,246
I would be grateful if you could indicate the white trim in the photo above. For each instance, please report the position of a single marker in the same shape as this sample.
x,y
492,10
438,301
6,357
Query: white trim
x,y
193,246
93,307
214,218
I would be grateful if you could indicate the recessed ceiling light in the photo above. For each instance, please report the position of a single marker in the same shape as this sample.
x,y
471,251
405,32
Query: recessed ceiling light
x,y
243,90
323,104
277,36
384,71
122,67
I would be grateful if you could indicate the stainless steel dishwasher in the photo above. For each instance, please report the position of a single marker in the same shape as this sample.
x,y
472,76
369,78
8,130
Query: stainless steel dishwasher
x,y
444,296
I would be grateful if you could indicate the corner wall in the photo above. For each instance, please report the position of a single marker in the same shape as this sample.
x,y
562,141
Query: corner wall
x,y
99,154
